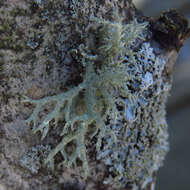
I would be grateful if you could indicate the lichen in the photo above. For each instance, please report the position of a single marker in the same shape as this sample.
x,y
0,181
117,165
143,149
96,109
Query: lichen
x,y
92,106
105,82
33,159
141,146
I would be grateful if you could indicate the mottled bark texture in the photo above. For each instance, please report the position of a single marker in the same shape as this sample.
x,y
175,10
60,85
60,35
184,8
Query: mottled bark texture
x,y
97,74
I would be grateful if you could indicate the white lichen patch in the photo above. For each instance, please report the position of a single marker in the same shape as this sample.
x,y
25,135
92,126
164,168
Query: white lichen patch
x,y
33,159
147,80
141,146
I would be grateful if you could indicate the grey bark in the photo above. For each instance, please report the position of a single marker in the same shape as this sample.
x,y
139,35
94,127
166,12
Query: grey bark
x,y
37,60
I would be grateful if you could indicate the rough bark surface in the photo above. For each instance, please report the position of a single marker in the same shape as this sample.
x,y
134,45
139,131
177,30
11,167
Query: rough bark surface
x,y
40,57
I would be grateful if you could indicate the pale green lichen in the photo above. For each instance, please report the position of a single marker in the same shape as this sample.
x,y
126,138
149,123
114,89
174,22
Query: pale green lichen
x,y
94,102
63,42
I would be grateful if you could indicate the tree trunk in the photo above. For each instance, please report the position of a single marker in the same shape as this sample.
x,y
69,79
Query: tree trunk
x,y
83,87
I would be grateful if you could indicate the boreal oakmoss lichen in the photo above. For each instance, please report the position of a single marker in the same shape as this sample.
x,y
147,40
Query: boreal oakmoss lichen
x,y
97,97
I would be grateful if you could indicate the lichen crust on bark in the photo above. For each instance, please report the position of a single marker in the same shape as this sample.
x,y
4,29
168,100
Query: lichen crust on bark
x,y
118,87
82,95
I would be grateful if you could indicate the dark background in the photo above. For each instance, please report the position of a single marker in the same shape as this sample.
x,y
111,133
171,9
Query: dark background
x,y
175,174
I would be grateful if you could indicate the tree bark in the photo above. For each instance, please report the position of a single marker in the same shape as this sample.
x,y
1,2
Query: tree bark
x,y
41,56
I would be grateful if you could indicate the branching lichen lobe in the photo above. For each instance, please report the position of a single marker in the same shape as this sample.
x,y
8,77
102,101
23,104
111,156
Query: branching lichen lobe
x,y
104,88
112,103
99,86
96,90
